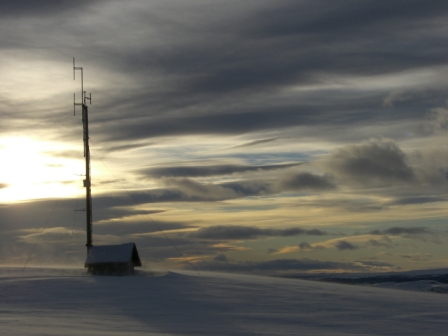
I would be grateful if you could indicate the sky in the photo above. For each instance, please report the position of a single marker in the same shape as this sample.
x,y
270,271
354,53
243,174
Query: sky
x,y
251,136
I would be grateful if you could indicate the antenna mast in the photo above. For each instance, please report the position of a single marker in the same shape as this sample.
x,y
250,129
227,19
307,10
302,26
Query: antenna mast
x,y
85,124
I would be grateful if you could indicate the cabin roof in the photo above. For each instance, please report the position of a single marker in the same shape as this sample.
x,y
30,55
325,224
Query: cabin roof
x,y
113,254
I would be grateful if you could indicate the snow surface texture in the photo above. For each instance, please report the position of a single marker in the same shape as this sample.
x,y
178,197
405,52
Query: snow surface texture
x,y
63,302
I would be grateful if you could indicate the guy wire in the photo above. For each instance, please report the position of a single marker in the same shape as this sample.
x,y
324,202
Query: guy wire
x,y
40,235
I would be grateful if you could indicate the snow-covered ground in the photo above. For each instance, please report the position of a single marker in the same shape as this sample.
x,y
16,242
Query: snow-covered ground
x,y
69,302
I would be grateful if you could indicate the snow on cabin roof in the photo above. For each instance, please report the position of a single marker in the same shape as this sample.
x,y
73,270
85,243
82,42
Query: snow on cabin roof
x,y
113,254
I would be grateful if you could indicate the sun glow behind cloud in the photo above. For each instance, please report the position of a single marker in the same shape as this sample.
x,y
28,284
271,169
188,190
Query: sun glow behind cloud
x,y
31,174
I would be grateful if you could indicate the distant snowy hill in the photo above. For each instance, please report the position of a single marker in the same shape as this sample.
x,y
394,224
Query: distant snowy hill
x,y
70,302
435,280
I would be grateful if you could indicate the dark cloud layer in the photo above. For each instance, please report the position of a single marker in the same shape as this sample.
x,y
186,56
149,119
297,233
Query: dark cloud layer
x,y
210,170
345,245
221,258
350,18
136,228
20,8
226,123
418,200
328,41
211,64
223,76
306,181
380,243
188,190
377,162
396,231
222,232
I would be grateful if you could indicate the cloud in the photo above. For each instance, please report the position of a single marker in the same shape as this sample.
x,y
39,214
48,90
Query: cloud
x,y
186,190
376,162
345,245
222,232
71,154
209,170
223,123
378,264
43,8
396,96
177,189
304,246
50,235
126,147
305,181
221,258
380,243
204,76
255,143
141,228
385,254
416,256
417,200
249,188
437,121
333,19
204,87
287,249
118,207
396,231
431,166
200,191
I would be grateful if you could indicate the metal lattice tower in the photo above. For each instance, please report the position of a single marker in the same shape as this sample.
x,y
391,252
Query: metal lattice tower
x,y
85,124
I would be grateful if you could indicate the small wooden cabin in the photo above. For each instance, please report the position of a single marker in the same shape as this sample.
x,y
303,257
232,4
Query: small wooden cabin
x,y
113,259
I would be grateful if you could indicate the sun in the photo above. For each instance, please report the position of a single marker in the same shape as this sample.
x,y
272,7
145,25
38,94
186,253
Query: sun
x,y
29,171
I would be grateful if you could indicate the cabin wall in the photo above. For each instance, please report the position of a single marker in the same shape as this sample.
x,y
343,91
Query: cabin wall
x,y
114,269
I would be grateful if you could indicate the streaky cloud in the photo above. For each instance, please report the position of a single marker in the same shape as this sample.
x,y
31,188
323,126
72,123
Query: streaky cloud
x,y
254,143
234,232
305,246
210,170
396,231
25,8
126,147
417,200
380,243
